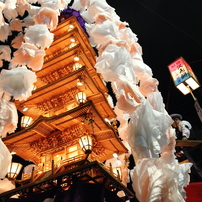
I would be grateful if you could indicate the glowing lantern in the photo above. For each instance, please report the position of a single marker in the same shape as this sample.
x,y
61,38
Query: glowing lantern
x,y
81,97
117,171
183,76
77,66
14,170
86,143
26,121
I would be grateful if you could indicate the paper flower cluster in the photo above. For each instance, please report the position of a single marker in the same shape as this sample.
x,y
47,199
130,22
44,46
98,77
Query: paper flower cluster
x,y
144,122
25,27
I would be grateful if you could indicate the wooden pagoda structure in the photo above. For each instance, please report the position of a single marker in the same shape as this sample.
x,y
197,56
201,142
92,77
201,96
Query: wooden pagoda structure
x,y
69,101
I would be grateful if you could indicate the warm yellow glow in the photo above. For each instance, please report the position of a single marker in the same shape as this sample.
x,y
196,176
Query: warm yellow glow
x,y
115,155
79,82
73,148
76,58
77,66
24,108
108,121
117,171
81,97
73,154
71,106
26,121
73,40
70,27
33,87
86,143
183,88
72,45
13,170
192,83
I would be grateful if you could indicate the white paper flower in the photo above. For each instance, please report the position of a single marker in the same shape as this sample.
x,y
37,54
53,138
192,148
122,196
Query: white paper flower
x,y
10,4
28,21
5,160
39,35
56,4
10,13
33,10
18,82
113,62
8,115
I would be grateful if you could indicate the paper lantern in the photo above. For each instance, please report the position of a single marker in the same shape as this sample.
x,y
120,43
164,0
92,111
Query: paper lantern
x,y
183,76
81,97
86,143
13,170
26,121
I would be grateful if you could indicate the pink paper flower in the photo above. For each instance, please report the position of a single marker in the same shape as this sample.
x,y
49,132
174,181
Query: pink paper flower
x,y
22,6
17,41
47,16
16,25
5,31
5,52
30,55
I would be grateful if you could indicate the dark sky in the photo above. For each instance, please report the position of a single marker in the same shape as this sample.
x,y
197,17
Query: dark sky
x,y
167,30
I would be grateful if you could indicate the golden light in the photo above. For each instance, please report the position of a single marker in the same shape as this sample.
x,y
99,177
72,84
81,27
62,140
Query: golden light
x,y
183,76
77,66
115,155
79,82
73,45
86,143
76,58
71,27
14,170
117,171
73,40
33,87
26,121
81,97
24,108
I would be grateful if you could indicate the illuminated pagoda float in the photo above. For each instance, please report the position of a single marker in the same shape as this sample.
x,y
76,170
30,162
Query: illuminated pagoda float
x,y
66,127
